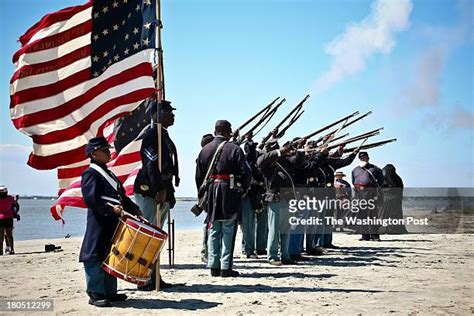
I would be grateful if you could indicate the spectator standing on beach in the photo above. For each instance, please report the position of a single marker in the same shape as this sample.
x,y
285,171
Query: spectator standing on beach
x,y
343,194
9,209
392,189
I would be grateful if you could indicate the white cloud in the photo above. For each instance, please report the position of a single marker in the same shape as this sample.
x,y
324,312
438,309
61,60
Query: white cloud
x,y
375,34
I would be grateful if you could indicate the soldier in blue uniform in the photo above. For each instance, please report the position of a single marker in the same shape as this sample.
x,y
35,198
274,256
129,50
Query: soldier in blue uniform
x,y
154,186
277,166
334,162
302,177
105,198
230,180
367,179
252,206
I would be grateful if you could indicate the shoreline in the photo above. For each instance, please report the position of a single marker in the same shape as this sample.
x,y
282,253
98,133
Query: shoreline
x,y
415,273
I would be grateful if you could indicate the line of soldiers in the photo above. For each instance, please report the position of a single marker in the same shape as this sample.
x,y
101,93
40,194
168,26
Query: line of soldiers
x,y
255,185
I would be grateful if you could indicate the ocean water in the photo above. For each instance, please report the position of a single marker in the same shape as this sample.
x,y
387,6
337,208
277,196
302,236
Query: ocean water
x,y
37,223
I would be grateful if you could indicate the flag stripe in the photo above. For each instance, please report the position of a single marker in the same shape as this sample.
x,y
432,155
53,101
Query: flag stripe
x,y
56,17
55,40
61,26
49,78
60,51
137,63
95,129
83,124
52,65
82,105
45,91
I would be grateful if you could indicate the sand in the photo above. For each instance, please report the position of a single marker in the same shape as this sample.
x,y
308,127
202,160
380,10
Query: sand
x,y
411,274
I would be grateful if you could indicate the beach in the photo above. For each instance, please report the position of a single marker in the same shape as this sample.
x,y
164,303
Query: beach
x,y
416,274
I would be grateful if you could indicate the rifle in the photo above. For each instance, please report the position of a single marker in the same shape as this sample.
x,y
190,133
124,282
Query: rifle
x,y
265,109
296,112
347,124
344,119
356,138
369,146
292,121
339,137
265,118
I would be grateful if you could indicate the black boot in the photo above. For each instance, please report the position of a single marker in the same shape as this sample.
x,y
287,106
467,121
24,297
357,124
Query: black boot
x,y
365,237
229,273
98,300
117,297
164,285
216,272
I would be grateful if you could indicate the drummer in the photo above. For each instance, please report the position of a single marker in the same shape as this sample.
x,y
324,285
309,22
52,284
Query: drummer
x,y
105,198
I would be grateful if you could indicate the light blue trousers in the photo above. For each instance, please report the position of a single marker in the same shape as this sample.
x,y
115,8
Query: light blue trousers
x,y
148,207
248,227
221,241
262,230
278,230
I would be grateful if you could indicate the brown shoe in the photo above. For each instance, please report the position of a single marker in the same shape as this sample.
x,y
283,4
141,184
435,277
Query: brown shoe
x,y
275,262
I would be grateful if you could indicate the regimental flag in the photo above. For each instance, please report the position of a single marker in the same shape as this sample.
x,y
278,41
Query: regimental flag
x,y
77,71
128,127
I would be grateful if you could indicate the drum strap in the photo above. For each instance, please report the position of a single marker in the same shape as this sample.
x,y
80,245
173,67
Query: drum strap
x,y
104,174
110,199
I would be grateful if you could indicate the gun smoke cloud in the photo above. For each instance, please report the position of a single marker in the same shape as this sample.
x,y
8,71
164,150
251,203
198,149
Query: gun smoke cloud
x,y
424,91
374,34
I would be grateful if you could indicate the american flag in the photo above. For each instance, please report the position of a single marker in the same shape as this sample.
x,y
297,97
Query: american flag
x,y
126,134
77,71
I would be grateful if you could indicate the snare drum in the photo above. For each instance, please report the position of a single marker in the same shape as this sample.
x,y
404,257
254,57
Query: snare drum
x,y
134,250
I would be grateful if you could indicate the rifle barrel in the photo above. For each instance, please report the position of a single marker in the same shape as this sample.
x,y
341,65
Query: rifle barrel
x,y
266,108
331,125
265,118
296,108
372,145
357,119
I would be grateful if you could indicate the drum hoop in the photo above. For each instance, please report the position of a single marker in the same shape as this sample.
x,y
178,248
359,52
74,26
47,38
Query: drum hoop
x,y
160,235
110,270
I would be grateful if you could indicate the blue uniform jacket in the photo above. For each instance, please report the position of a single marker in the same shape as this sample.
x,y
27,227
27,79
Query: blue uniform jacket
x,y
101,221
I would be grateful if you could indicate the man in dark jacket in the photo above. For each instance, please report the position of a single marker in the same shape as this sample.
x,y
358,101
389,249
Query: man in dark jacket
x,y
230,179
277,166
302,176
154,186
367,180
105,198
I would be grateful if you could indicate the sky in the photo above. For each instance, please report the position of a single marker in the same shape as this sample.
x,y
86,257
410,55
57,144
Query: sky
x,y
410,62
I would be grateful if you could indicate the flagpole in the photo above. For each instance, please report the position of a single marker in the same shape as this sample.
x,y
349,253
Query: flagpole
x,y
160,94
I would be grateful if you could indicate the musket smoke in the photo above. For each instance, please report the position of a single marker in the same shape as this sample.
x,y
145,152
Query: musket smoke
x,y
374,34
